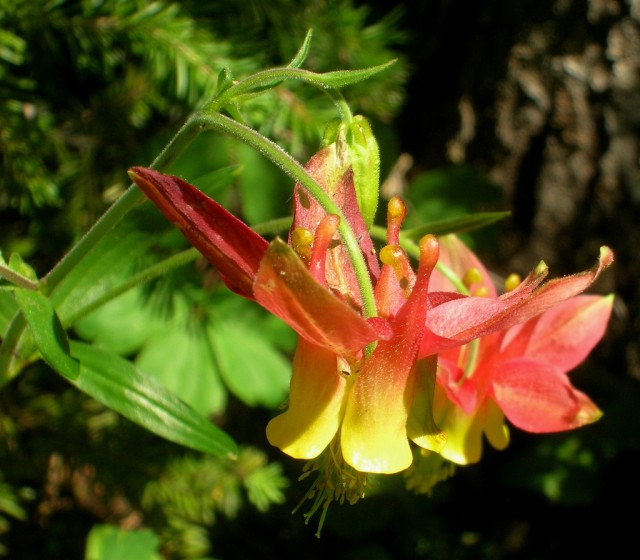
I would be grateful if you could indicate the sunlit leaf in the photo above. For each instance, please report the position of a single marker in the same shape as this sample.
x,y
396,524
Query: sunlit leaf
x,y
121,325
48,332
458,224
118,384
102,269
252,369
183,361
107,542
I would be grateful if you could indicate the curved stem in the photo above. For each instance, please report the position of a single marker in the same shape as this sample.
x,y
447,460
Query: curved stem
x,y
119,209
83,247
342,106
292,167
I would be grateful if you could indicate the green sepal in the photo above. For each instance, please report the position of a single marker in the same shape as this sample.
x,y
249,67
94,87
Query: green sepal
x,y
331,132
365,161
225,80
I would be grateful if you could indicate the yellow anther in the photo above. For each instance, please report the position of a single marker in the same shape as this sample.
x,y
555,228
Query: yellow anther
x,y
482,291
396,212
471,276
396,208
301,240
512,281
390,254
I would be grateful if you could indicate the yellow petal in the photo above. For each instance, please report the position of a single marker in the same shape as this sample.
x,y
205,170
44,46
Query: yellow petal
x,y
421,426
316,403
496,430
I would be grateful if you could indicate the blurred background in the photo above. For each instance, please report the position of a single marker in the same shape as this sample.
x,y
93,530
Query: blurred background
x,y
530,106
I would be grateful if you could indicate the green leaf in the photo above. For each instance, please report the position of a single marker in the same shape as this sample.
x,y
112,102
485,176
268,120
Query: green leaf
x,y
124,251
121,325
107,542
182,360
12,47
455,225
118,384
266,202
48,333
266,79
8,308
252,369
303,51
342,78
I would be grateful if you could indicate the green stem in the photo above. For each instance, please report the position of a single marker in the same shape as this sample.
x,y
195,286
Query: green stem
x,y
145,275
273,227
292,167
17,279
272,77
119,209
346,116
102,227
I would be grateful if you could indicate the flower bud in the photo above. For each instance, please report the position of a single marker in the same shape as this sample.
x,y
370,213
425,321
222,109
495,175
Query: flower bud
x,y
365,160
357,147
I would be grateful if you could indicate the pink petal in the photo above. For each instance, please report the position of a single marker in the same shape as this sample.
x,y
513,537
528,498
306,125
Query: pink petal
x,y
459,258
285,287
538,397
337,181
460,320
565,334
224,240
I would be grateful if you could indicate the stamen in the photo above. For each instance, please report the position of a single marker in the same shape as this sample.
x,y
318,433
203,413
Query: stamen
x,y
482,291
336,481
471,277
396,212
427,470
301,241
429,253
395,257
512,281
322,242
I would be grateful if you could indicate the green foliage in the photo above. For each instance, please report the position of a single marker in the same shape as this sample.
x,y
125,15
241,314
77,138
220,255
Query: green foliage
x,y
193,491
11,506
86,90
107,542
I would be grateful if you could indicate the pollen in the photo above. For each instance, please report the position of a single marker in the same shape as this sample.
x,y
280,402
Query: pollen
x,y
396,212
471,277
512,281
301,240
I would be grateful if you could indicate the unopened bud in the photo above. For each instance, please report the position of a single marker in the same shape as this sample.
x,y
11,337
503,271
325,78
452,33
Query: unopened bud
x,y
365,161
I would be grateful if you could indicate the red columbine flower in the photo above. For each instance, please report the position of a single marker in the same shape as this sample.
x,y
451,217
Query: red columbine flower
x,y
335,387
519,372
344,392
